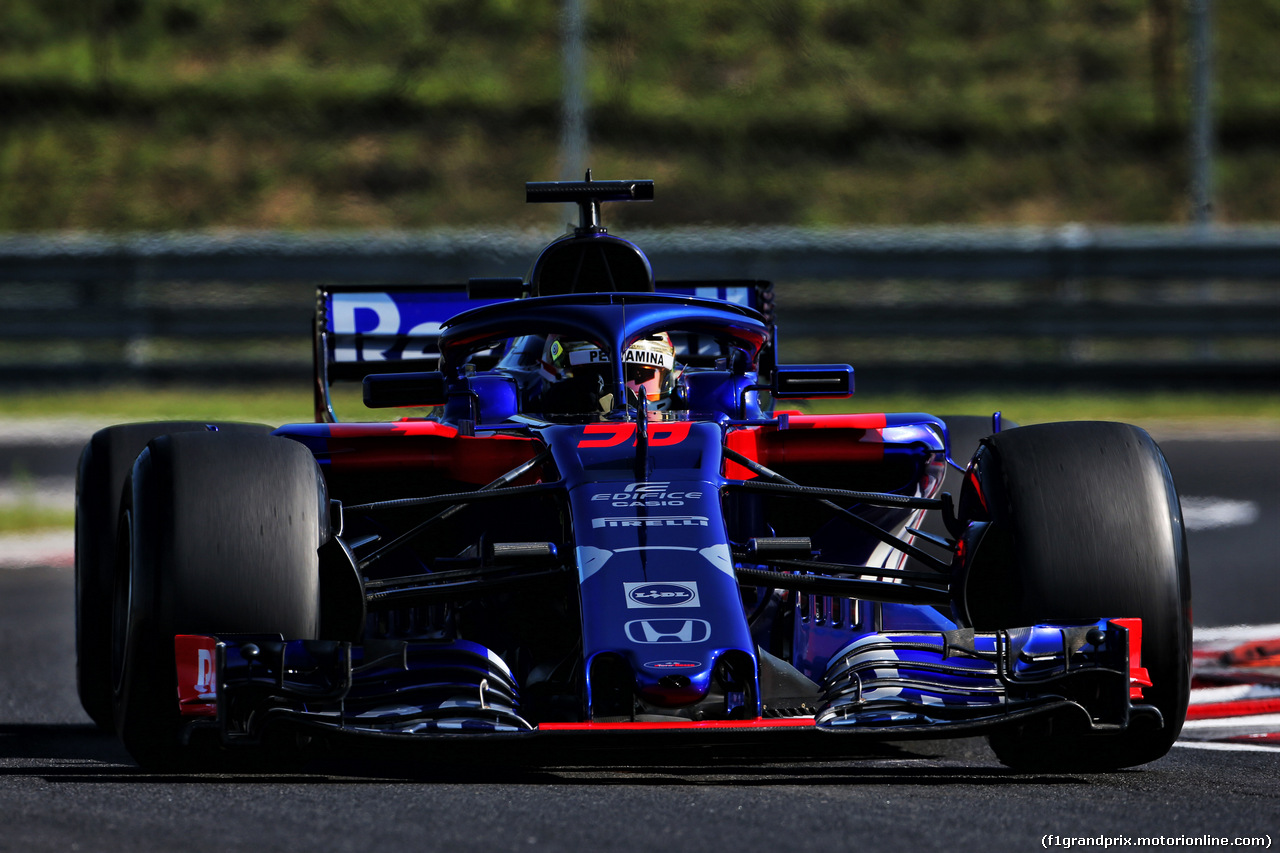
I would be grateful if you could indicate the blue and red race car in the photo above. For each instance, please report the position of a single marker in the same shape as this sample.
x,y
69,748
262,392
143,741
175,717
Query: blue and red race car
x,y
610,528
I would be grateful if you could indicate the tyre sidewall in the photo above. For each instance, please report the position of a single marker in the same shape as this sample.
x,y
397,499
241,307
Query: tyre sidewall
x,y
101,473
223,534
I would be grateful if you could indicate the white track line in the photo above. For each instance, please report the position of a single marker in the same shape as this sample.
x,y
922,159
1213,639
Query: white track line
x,y
1233,693
26,551
1260,722
1225,747
46,431
1211,513
1237,633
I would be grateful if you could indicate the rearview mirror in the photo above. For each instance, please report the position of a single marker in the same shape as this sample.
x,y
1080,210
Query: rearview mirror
x,y
811,381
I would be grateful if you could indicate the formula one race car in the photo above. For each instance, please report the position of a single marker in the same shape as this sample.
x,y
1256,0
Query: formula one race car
x,y
609,529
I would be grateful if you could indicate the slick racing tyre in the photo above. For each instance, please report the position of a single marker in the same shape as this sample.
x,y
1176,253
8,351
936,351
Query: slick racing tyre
x,y
104,466
219,534
1086,516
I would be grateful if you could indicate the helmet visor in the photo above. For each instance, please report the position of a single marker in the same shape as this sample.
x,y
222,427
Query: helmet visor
x,y
650,381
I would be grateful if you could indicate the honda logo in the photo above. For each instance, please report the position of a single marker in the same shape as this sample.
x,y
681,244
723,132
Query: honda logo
x,y
655,631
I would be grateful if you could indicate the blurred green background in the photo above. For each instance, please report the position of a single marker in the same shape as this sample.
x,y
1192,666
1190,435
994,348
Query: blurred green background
x,y
122,115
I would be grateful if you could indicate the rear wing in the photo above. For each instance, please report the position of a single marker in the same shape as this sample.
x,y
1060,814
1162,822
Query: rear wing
x,y
395,328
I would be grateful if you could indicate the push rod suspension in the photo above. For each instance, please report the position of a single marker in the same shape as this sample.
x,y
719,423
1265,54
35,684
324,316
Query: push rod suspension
x,y
840,570
895,593
781,485
459,500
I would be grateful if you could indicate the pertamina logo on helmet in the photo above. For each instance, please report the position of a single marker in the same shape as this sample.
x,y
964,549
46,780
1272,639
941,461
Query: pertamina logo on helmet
x,y
635,355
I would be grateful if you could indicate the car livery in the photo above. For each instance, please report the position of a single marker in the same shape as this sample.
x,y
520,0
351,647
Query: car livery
x,y
530,564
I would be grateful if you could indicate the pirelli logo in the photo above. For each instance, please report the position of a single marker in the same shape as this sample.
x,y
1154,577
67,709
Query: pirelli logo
x,y
651,521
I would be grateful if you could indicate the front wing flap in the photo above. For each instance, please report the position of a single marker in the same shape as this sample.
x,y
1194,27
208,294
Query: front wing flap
x,y
890,686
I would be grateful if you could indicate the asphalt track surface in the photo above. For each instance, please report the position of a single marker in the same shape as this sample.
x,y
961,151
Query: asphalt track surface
x,y
65,786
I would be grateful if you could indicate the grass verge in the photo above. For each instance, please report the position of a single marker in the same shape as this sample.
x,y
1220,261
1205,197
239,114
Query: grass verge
x,y
24,517
292,404
122,404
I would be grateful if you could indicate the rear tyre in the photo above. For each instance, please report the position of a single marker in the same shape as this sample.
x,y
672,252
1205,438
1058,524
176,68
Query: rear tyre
x,y
220,532
104,467
1086,520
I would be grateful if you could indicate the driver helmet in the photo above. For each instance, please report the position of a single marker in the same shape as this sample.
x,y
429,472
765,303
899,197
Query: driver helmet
x,y
649,368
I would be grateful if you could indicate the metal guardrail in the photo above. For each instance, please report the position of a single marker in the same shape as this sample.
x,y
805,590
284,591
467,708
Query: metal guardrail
x,y
106,298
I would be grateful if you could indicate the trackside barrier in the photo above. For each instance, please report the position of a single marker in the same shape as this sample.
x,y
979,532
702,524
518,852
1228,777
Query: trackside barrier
x,y
1103,307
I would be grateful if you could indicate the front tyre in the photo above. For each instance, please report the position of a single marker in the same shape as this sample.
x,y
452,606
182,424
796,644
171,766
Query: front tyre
x,y
220,534
1085,524
104,466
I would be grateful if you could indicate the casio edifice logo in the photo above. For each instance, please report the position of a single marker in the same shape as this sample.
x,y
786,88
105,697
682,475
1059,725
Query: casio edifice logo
x,y
669,594
647,494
